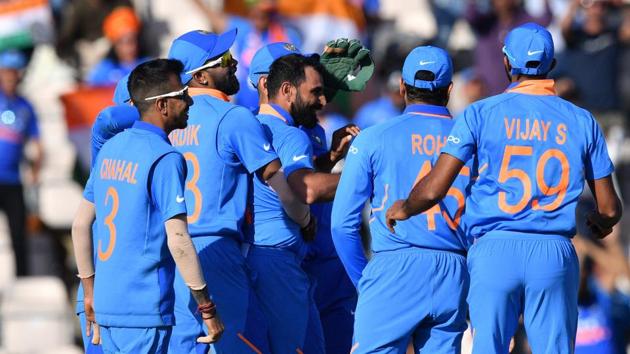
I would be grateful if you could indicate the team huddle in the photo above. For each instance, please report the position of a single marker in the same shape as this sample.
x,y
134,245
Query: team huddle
x,y
206,227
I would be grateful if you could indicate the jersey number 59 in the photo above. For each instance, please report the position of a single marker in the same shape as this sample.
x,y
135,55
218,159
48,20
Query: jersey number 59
x,y
506,173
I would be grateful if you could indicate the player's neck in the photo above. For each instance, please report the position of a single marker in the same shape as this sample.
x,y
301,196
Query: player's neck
x,y
154,119
282,103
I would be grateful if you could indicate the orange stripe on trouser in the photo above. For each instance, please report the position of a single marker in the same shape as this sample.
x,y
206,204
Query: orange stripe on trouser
x,y
299,351
249,344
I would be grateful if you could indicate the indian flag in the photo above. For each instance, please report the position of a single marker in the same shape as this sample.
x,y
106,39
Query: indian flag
x,y
24,23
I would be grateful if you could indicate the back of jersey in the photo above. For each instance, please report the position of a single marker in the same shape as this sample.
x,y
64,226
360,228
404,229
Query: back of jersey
x,y
397,155
134,270
222,144
534,151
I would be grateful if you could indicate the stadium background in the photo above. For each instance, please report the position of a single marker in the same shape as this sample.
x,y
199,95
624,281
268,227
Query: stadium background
x,y
67,82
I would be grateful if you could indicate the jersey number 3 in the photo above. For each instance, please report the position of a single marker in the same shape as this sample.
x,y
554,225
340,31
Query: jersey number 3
x,y
191,185
112,194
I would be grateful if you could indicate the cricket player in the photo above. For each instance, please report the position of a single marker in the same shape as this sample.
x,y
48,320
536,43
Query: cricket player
x,y
138,179
295,92
534,151
109,122
223,144
415,285
335,296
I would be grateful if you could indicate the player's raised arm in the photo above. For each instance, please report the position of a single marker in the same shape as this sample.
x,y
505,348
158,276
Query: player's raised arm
x,y
428,192
341,140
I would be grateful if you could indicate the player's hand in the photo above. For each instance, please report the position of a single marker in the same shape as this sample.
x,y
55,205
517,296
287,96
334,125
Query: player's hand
x,y
347,66
91,327
341,139
595,222
394,213
310,230
215,329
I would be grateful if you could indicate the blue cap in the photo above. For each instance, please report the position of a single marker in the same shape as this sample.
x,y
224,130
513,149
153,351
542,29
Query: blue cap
x,y
12,59
195,48
428,58
121,94
529,43
265,56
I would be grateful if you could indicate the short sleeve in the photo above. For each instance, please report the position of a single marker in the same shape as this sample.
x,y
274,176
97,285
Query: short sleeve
x,y
461,140
88,192
167,185
295,151
598,164
243,135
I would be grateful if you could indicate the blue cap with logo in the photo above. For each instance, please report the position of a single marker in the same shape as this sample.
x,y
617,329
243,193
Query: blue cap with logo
x,y
12,59
428,58
121,93
529,49
195,48
265,56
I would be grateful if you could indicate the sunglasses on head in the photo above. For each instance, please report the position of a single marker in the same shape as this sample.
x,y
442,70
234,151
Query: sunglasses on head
x,y
173,94
224,61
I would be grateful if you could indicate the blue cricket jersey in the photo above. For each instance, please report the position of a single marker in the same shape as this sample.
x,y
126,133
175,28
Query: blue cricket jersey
x,y
322,247
272,226
534,151
109,122
136,185
223,144
18,123
383,164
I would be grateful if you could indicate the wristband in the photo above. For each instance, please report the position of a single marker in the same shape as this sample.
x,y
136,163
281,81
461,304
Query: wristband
x,y
209,309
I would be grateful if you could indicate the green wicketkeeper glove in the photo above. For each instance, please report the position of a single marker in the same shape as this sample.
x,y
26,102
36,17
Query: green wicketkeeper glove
x,y
348,66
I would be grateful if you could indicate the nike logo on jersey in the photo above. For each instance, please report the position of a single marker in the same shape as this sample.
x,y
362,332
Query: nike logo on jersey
x,y
266,147
298,158
534,52
422,62
179,199
350,77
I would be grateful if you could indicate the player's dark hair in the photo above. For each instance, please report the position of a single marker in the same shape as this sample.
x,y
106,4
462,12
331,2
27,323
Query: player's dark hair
x,y
151,79
290,68
437,97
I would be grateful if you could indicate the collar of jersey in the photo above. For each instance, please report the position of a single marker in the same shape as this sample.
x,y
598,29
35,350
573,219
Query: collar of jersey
x,y
150,128
276,111
428,110
197,91
533,87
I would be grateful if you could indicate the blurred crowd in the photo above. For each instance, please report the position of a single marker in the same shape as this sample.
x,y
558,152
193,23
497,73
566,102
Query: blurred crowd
x,y
60,61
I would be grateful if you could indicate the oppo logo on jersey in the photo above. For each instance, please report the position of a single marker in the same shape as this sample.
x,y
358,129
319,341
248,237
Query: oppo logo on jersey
x,y
427,144
119,170
188,136
533,129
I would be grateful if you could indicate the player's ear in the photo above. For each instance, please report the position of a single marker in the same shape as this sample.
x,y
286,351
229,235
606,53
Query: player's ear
x,y
506,64
200,77
448,93
286,90
402,89
161,105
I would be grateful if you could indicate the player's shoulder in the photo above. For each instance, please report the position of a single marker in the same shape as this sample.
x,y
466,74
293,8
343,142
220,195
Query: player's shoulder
x,y
109,115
